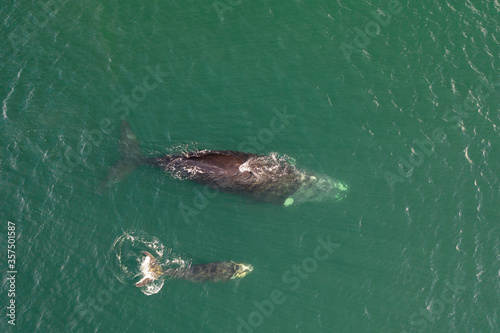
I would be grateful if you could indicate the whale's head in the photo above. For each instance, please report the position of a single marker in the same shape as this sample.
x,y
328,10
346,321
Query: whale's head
x,y
241,270
317,188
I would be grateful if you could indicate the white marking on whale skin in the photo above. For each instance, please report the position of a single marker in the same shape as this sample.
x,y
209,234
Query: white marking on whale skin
x,y
245,167
193,170
262,167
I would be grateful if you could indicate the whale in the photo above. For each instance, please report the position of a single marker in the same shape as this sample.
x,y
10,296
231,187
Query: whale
x,y
208,272
266,178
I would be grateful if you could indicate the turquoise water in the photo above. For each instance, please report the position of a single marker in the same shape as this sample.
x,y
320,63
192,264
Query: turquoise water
x,y
405,110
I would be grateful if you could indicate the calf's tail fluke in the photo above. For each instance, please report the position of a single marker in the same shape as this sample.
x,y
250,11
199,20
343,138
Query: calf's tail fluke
x,y
131,157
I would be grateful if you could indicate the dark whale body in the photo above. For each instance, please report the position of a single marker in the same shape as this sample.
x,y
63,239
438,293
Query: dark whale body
x,y
266,178
233,171
209,272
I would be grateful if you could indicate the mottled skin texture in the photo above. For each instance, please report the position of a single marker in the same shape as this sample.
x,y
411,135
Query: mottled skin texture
x,y
213,272
236,172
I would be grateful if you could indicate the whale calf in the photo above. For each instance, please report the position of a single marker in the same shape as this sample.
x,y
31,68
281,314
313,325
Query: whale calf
x,y
213,272
266,178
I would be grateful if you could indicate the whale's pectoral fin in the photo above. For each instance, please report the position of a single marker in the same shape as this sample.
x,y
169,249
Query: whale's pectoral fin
x,y
129,145
131,157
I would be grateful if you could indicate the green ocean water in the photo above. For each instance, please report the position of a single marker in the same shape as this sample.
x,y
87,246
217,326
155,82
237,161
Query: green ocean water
x,y
400,100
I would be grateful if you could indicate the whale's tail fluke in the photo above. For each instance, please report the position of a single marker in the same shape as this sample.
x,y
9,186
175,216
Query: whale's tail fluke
x,y
151,269
131,157
144,281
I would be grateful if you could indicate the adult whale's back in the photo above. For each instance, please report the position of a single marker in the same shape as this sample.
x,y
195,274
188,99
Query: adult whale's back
x,y
223,163
267,178
262,177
